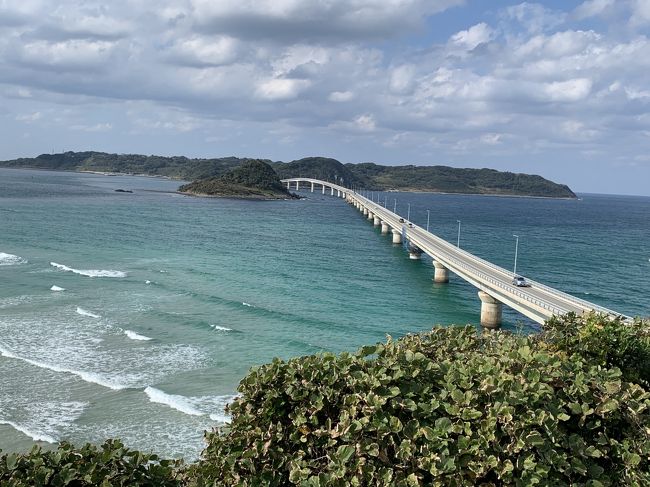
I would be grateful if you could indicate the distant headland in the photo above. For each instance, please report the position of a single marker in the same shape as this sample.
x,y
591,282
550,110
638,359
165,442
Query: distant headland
x,y
368,175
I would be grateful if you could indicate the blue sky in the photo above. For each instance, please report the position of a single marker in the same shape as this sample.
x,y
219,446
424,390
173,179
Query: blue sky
x,y
556,88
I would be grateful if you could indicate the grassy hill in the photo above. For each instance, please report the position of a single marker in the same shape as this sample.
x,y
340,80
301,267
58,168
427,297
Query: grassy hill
x,y
252,179
367,175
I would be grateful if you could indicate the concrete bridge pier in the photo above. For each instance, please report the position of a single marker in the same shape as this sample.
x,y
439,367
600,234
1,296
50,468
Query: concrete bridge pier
x,y
332,191
397,236
365,211
490,311
415,253
370,215
297,185
323,189
384,228
376,221
312,187
338,193
441,273
288,185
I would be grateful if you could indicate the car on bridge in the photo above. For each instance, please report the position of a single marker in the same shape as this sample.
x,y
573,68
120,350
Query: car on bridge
x,y
520,281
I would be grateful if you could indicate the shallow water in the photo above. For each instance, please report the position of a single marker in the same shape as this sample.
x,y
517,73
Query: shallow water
x,y
168,300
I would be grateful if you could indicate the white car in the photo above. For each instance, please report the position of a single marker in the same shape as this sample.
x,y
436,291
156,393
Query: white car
x,y
520,282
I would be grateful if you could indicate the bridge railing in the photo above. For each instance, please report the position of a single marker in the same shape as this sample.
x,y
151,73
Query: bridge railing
x,y
452,249
511,289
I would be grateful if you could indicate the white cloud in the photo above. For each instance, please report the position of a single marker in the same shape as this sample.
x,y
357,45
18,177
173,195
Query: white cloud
x,y
280,89
365,123
592,8
71,54
402,78
31,117
98,127
205,51
474,36
534,17
340,96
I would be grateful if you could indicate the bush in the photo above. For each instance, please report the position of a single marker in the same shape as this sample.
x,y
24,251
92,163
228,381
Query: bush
x,y
448,407
604,341
109,465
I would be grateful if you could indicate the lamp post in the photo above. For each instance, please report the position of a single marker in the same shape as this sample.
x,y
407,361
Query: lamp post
x,y
408,213
458,242
428,216
514,271
385,201
395,206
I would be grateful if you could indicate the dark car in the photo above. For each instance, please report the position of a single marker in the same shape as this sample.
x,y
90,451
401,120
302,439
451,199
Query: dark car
x,y
401,220
520,282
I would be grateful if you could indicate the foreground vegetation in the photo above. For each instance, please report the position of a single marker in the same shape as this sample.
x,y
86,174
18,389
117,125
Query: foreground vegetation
x,y
452,406
366,175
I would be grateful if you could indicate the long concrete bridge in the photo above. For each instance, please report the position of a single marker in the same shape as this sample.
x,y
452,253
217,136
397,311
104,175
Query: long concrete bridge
x,y
538,302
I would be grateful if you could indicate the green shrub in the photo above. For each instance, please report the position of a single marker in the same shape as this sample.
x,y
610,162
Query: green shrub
x,y
448,407
604,341
109,465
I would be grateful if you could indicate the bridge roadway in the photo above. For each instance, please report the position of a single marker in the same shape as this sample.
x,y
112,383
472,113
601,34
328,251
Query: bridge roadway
x,y
538,302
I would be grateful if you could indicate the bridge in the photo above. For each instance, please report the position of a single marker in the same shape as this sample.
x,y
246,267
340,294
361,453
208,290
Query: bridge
x,y
495,288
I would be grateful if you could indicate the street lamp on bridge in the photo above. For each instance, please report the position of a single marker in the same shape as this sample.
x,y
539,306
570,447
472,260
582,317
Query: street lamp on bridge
x,y
514,271
428,215
458,241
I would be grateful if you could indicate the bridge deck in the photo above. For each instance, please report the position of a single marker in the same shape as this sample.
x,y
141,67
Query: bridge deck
x,y
538,302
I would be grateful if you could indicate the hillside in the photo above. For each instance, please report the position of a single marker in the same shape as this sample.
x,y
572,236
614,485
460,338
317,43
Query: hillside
x,y
253,179
367,175
441,179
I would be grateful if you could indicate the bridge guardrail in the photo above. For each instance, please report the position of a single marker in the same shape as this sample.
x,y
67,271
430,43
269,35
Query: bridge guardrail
x,y
555,292
452,249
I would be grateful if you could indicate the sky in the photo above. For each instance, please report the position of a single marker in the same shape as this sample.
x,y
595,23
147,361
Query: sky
x,y
558,88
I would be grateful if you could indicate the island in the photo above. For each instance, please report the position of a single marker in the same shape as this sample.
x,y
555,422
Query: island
x,y
253,179
367,175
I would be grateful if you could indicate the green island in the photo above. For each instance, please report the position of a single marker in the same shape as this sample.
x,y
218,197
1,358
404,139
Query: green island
x,y
453,406
370,176
253,179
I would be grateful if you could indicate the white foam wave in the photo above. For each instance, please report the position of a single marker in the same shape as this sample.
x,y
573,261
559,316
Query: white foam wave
x,y
84,312
221,418
34,435
11,259
57,288
147,282
246,304
180,403
135,336
86,376
89,272
220,328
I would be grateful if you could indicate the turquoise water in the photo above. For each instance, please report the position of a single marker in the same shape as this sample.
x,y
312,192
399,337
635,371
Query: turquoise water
x,y
169,300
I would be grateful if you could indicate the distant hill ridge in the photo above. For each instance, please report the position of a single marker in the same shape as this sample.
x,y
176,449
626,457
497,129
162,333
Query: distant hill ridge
x,y
367,175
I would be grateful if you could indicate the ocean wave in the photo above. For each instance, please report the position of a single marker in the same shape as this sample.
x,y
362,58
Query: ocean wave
x,y
86,376
89,272
135,336
57,288
34,435
84,312
10,259
212,406
220,328
247,304
180,403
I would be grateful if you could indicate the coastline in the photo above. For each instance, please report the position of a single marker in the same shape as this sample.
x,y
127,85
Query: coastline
x,y
170,178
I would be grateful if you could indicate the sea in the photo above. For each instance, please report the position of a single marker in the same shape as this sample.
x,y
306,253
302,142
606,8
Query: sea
x,y
134,315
